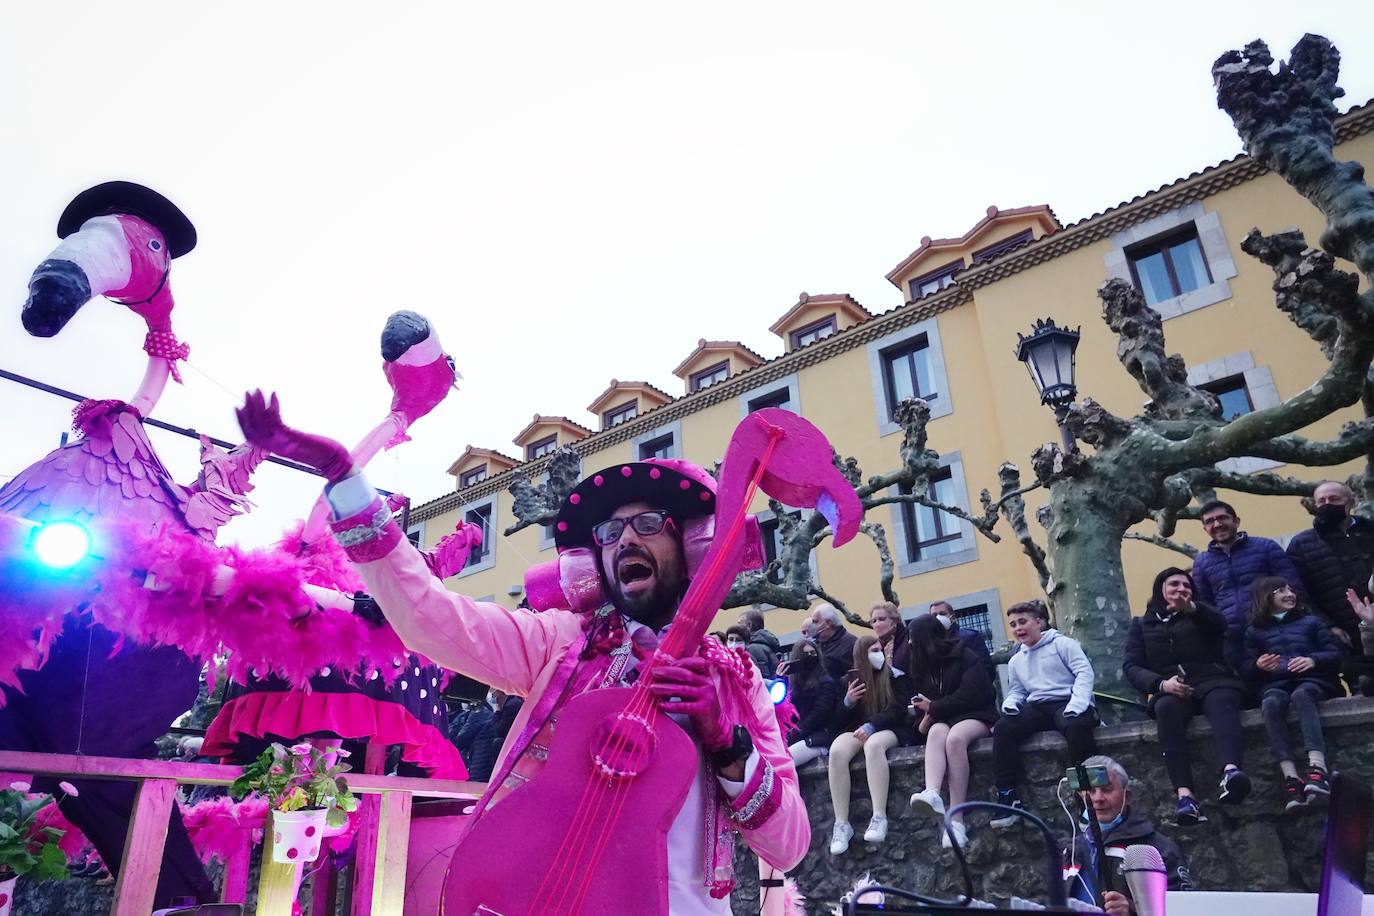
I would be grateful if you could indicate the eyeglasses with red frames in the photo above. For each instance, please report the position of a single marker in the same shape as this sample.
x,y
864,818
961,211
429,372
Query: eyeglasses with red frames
x,y
649,522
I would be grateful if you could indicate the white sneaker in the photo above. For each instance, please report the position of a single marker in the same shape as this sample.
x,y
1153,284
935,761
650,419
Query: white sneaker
x,y
928,798
877,829
839,840
960,836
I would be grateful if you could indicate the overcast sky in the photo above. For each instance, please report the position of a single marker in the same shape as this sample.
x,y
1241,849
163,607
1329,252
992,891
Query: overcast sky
x,y
571,191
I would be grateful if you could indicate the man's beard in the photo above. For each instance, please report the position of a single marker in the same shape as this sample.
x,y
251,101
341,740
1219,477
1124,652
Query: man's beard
x,y
656,606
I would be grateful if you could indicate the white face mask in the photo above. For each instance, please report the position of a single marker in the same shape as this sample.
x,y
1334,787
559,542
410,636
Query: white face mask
x,y
946,622
733,643
876,659
491,700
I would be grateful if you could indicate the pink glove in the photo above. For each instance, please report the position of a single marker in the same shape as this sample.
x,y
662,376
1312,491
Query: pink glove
x,y
261,423
684,688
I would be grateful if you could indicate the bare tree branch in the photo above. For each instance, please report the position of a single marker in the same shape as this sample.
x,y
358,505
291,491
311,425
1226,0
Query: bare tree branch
x,y
886,567
1188,550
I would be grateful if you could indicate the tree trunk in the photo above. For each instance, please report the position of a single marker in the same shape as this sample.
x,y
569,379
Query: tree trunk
x,y
1089,589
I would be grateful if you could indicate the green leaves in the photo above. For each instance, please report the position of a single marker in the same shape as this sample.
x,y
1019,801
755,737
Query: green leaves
x,y
28,846
301,776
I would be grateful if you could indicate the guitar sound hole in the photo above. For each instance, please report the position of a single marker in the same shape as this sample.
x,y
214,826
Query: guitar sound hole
x,y
623,746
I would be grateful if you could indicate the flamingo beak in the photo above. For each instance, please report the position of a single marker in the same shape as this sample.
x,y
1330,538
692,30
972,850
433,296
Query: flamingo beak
x,y
57,290
403,330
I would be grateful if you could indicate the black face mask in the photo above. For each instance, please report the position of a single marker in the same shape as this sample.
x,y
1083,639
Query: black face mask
x,y
1329,516
806,662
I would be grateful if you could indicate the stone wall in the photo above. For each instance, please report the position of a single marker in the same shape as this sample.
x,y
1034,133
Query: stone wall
x,y
1255,846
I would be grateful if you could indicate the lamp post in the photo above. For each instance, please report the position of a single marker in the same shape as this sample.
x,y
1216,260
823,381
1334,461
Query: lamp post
x,y
1049,357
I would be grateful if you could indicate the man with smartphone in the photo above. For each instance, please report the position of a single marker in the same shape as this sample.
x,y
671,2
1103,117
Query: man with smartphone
x,y
1108,800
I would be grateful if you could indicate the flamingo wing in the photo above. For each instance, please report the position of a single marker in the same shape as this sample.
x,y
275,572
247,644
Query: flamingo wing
x,y
219,493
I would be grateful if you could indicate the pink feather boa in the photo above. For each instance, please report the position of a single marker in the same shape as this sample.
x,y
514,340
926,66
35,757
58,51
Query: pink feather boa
x,y
265,622
217,827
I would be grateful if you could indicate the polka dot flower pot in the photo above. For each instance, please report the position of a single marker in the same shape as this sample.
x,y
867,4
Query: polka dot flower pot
x,y
7,895
296,835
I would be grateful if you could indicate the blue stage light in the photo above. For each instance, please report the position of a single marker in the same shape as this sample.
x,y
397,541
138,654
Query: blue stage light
x,y
777,690
62,544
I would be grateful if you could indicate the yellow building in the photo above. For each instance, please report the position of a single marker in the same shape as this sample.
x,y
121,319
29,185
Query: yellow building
x,y
953,343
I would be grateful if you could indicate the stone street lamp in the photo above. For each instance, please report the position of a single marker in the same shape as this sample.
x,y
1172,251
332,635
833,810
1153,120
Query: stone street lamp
x,y
1049,357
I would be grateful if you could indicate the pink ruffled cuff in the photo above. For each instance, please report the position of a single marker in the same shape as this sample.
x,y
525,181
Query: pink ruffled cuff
x,y
762,796
367,535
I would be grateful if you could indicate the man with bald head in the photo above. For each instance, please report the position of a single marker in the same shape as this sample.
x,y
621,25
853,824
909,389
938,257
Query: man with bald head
x,y
1335,554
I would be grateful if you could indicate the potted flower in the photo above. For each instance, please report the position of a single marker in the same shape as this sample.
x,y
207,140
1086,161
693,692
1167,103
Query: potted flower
x,y
304,790
27,845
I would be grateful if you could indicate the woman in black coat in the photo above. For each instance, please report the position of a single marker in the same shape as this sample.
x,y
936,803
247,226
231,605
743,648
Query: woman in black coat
x,y
814,694
956,705
1175,656
1293,657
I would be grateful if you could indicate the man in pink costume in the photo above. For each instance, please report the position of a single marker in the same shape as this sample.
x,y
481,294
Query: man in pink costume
x,y
632,516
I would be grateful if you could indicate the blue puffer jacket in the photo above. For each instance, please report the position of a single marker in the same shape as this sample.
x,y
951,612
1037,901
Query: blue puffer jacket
x,y
1298,634
1224,578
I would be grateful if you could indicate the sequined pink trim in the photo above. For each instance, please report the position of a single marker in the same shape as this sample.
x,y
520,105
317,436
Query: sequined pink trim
x,y
760,798
369,535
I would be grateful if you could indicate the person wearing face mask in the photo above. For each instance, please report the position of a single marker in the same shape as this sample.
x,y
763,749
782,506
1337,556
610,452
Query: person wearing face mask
x,y
1334,555
886,621
873,719
1292,657
968,638
1174,657
814,694
474,742
1121,826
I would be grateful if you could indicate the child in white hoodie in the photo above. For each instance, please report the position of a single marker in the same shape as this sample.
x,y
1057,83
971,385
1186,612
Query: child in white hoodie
x,y
1051,687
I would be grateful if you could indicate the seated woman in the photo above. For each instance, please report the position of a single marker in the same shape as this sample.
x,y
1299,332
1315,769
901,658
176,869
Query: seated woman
x,y
815,695
956,705
1175,657
1291,655
886,621
873,718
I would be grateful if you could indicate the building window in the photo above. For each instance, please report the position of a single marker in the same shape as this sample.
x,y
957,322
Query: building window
x,y
1170,266
813,332
1233,394
658,447
481,517
780,398
772,543
997,249
977,618
541,448
617,415
476,475
934,281
929,532
416,535
710,376
906,373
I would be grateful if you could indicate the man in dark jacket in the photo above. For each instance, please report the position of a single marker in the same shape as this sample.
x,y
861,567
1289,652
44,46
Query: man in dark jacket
x,y
763,646
836,643
1121,827
1230,564
1335,554
968,638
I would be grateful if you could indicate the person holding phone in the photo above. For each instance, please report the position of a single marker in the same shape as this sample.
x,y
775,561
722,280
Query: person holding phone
x,y
955,705
814,694
873,719
1175,656
1293,658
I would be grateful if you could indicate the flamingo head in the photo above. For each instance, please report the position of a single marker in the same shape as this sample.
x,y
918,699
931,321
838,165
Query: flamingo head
x,y
418,370
118,240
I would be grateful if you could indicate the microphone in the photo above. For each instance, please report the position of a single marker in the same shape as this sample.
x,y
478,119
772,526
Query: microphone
x,y
1146,879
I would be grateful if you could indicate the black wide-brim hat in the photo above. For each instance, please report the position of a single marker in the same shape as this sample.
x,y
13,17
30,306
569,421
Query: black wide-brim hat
x,y
134,199
682,488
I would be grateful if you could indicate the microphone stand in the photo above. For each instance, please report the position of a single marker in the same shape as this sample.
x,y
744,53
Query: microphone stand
x,y
1100,854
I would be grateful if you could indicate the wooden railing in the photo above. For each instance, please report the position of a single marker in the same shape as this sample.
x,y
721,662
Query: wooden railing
x,y
383,838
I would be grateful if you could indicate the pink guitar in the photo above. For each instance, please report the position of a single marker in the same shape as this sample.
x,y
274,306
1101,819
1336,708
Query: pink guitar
x,y
614,751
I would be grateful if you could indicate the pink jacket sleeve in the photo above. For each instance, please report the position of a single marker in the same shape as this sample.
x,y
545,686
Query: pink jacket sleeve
x,y
770,812
505,649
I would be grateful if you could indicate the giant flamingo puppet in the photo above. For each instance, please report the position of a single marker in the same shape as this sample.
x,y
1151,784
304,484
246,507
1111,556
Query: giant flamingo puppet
x,y
118,240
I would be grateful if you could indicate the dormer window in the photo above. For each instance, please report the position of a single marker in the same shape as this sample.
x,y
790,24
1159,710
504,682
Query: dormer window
x,y
617,415
997,249
818,330
710,376
936,280
476,475
541,448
